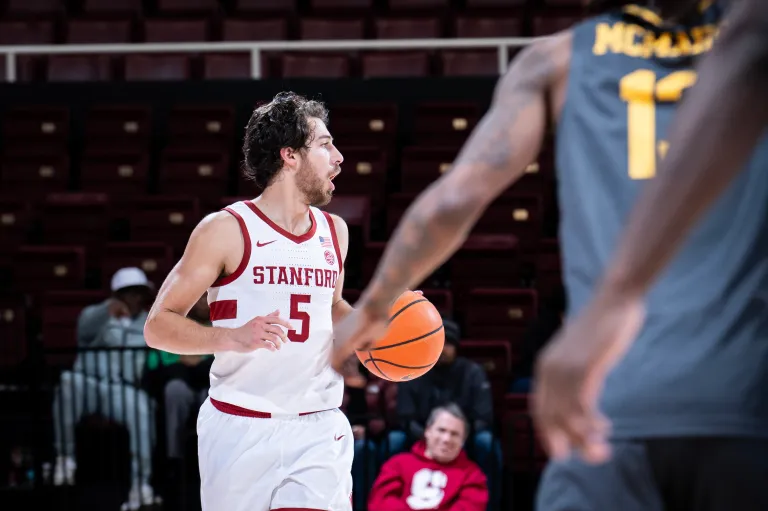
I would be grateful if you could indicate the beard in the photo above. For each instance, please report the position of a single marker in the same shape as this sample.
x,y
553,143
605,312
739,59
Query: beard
x,y
312,186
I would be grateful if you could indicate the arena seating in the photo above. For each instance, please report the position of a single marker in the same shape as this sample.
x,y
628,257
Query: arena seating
x,y
85,190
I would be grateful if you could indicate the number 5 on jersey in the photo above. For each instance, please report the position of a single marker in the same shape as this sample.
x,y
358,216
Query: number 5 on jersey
x,y
302,334
641,91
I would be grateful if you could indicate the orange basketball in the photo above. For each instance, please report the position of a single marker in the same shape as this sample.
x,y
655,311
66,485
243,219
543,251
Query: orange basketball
x,y
413,343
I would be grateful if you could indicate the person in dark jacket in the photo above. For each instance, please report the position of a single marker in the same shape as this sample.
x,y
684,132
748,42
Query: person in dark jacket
x,y
436,474
454,379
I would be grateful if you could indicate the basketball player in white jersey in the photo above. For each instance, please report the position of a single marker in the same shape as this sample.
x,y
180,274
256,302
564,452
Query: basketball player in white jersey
x,y
271,436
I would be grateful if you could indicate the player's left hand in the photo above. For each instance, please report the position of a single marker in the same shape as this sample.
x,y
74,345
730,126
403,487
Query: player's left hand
x,y
570,373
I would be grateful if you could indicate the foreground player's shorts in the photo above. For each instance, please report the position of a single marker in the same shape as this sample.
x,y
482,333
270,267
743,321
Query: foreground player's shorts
x,y
262,464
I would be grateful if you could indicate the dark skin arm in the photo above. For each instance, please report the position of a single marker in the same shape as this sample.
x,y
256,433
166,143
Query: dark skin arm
x,y
714,133
507,139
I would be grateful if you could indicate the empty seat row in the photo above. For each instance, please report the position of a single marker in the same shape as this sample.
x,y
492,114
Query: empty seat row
x,y
26,8
104,31
238,66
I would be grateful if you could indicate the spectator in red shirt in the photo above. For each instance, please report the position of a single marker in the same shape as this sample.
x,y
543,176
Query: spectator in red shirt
x,y
436,474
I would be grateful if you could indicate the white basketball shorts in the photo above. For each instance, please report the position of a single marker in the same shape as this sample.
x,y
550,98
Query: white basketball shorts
x,y
278,463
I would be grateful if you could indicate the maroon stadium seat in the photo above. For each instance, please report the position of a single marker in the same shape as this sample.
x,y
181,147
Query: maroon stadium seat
x,y
81,219
49,268
471,26
518,214
523,452
321,5
470,63
60,313
15,224
549,279
13,333
164,219
176,7
408,28
445,123
117,127
436,5
397,203
201,126
319,29
501,314
275,29
494,4
176,31
33,176
36,8
154,258
547,25
119,172
420,166
157,67
370,124
79,68
99,31
198,172
483,261
261,6
304,65
363,172
396,64
112,7
229,66
35,129
26,32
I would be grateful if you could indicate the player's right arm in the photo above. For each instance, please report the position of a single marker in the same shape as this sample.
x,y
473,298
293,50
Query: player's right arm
x,y
214,249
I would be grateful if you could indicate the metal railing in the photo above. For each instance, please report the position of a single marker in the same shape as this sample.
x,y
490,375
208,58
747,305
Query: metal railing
x,y
502,46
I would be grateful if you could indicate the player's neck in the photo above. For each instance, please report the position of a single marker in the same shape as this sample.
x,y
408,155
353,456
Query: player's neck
x,y
284,206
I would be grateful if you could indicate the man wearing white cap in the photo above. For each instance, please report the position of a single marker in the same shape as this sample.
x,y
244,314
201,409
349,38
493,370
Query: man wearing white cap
x,y
107,381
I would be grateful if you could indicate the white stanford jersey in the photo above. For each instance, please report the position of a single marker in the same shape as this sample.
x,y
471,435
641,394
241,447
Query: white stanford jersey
x,y
297,276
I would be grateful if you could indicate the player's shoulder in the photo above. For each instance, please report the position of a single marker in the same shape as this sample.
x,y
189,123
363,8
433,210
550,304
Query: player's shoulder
x,y
221,226
543,61
339,224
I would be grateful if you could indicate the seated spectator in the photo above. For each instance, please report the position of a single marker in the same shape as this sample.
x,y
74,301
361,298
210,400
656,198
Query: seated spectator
x,y
436,474
107,381
454,379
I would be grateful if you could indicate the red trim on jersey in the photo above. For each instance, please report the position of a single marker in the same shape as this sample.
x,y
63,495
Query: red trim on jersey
x,y
335,240
223,309
244,412
296,239
223,281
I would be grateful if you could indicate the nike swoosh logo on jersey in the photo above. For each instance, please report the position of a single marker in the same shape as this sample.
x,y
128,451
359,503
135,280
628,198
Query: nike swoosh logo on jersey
x,y
337,438
260,244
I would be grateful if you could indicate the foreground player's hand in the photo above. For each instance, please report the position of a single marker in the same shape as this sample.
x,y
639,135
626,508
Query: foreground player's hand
x,y
570,374
358,331
262,332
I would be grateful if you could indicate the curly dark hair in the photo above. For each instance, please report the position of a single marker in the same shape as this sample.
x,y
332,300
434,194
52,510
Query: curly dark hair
x,y
283,122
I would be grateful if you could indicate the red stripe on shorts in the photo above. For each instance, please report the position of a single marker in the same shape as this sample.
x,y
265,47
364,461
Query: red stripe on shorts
x,y
245,412
223,309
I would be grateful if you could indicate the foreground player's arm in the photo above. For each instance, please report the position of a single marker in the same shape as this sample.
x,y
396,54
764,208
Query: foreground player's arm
x,y
713,135
507,140
341,308
168,329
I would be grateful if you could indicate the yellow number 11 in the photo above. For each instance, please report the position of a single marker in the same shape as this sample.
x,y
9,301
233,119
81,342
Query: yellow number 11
x,y
641,91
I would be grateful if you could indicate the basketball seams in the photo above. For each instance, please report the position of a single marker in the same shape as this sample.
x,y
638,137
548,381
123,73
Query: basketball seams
x,y
405,307
424,336
373,361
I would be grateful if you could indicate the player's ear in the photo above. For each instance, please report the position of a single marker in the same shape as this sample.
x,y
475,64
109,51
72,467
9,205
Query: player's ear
x,y
290,157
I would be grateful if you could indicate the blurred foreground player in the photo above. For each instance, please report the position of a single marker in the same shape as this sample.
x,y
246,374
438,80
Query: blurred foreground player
x,y
714,133
688,410
271,435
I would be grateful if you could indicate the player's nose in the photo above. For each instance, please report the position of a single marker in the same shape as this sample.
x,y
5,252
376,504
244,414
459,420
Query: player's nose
x,y
336,157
